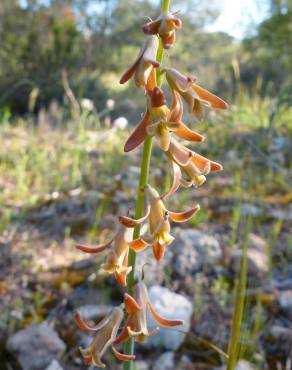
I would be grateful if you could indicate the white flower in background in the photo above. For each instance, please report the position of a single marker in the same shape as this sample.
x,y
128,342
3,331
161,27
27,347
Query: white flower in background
x,y
87,104
110,104
120,123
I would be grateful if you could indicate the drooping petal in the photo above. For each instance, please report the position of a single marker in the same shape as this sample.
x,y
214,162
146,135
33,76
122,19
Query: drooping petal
x,y
149,55
131,70
179,153
201,163
122,356
176,109
161,320
139,134
93,250
214,100
138,244
176,180
130,304
183,216
187,134
178,81
131,222
84,326
158,250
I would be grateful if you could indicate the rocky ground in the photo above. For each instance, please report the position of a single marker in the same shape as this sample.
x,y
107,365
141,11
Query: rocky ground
x,y
194,282
43,279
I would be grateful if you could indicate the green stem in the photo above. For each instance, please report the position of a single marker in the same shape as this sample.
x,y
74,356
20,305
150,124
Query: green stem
x,y
144,175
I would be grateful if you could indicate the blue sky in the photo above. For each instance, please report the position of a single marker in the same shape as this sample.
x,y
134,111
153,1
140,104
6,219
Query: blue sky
x,y
238,17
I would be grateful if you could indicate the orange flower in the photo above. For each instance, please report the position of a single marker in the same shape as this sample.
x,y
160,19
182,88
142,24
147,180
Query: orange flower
x,y
161,121
165,26
158,224
105,336
136,324
116,261
143,67
194,95
193,165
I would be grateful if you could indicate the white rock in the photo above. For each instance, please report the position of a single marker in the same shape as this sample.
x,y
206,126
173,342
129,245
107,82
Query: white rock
x,y
257,262
54,365
93,311
165,362
36,346
171,306
243,365
194,249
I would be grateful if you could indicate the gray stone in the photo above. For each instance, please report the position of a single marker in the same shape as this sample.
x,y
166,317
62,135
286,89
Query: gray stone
x,y
285,301
194,249
92,311
165,362
243,365
282,214
247,209
171,306
142,365
35,347
281,334
54,365
257,258
154,272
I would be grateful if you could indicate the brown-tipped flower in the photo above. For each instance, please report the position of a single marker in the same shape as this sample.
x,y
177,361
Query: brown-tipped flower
x,y
116,261
165,26
161,121
143,67
193,165
157,215
105,336
136,324
195,96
